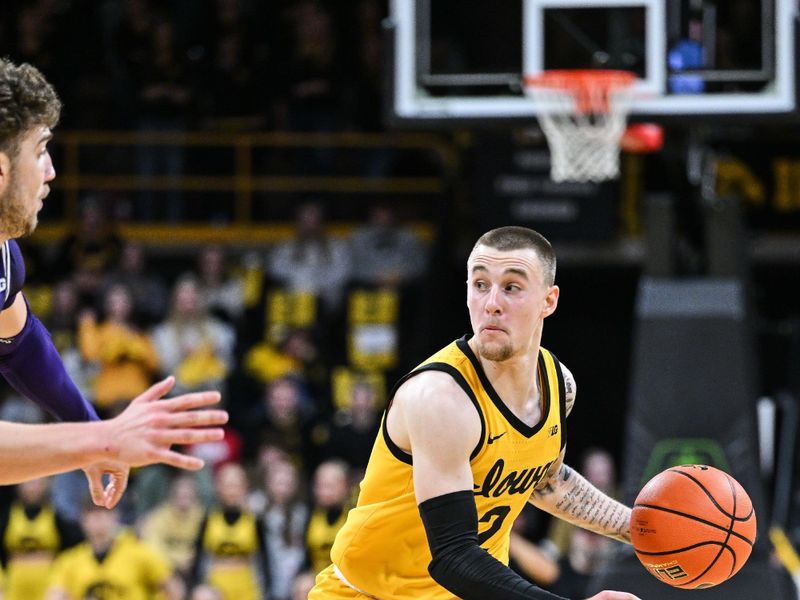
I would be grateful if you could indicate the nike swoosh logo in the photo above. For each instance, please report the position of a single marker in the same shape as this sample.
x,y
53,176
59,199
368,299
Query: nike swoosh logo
x,y
492,439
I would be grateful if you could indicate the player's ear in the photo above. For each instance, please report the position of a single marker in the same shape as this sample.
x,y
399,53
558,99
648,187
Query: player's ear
x,y
551,300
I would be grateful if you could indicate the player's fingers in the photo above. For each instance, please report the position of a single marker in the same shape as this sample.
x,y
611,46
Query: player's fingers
x,y
188,436
95,479
180,461
191,401
195,418
155,391
115,489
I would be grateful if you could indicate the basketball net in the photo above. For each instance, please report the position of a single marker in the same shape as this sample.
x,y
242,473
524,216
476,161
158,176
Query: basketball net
x,y
583,115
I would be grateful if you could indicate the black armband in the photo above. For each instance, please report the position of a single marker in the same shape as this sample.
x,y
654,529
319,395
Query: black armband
x,y
459,564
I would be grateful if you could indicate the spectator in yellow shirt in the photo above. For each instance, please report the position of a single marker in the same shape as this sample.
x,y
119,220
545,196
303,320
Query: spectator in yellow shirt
x,y
32,533
126,358
172,527
111,563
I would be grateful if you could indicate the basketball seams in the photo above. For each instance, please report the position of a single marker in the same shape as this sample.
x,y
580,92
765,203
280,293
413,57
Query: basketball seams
x,y
724,544
713,562
682,548
688,516
687,548
733,522
714,500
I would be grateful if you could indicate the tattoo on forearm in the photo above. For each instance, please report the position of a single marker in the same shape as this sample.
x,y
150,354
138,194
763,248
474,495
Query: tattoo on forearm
x,y
551,481
579,502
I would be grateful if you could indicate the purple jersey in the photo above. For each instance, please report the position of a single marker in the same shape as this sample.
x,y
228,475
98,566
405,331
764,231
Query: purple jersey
x,y
12,272
29,361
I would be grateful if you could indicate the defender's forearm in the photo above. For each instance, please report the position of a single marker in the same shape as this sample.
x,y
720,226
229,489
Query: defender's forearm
x,y
569,496
32,451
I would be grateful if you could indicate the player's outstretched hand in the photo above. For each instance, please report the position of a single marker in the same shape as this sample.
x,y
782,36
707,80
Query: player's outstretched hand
x,y
609,595
143,434
110,494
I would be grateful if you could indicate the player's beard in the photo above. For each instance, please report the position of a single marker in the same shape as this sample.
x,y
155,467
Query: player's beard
x,y
16,219
495,352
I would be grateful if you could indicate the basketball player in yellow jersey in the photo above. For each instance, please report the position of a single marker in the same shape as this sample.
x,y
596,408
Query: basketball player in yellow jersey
x,y
468,437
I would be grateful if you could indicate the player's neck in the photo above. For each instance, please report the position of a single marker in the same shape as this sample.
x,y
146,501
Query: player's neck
x,y
515,379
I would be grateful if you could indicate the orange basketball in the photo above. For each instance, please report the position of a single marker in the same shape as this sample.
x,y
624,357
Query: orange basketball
x,y
693,526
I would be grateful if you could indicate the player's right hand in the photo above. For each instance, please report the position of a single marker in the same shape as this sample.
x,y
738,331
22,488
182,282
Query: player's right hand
x,y
609,595
145,431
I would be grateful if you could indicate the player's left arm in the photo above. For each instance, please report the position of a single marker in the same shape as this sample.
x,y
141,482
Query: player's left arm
x,y
566,494
31,364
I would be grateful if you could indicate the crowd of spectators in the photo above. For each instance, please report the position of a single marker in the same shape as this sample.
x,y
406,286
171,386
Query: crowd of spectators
x,y
215,67
304,337
302,65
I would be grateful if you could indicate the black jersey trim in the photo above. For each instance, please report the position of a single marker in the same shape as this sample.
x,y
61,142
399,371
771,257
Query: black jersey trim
x,y
512,419
562,399
401,454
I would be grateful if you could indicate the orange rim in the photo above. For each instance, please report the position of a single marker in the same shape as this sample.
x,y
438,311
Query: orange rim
x,y
590,87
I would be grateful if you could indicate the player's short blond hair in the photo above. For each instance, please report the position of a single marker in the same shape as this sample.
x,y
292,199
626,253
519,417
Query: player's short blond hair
x,y
517,238
27,100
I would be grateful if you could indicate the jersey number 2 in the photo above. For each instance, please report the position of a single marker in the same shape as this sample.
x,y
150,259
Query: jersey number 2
x,y
495,516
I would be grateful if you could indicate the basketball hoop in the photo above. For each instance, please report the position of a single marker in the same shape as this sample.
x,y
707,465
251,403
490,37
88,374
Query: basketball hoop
x,y
583,114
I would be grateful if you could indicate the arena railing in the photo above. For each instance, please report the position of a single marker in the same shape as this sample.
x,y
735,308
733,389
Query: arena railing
x,y
244,183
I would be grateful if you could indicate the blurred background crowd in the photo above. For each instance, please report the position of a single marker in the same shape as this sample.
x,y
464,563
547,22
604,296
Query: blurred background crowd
x,y
305,66
303,332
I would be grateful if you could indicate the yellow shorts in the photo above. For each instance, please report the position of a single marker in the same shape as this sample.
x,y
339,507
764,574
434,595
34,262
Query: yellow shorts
x,y
330,587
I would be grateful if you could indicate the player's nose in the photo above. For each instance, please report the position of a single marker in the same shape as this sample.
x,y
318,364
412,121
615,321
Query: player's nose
x,y
493,300
49,170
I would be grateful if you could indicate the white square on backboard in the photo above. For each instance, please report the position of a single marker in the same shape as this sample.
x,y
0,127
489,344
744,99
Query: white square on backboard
x,y
655,37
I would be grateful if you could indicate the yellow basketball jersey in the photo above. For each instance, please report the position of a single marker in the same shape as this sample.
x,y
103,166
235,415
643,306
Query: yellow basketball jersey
x,y
31,546
232,548
130,571
223,539
382,548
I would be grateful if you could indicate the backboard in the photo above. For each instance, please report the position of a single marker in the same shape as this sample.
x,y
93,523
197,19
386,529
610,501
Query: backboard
x,y
465,59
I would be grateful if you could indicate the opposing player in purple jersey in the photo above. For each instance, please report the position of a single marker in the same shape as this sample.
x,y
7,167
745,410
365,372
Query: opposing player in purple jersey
x,y
145,431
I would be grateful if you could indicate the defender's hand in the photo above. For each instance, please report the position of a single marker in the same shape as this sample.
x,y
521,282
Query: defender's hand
x,y
143,434
110,494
